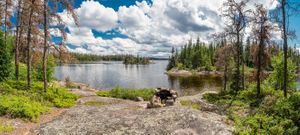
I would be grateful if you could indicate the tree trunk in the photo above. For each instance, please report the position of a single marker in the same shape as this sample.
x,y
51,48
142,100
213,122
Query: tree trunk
x,y
45,52
243,68
5,23
285,47
17,42
238,62
259,66
29,46
225,77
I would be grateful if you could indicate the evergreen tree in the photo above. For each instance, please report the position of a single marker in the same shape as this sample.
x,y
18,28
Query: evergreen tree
x,y
247,54
5,59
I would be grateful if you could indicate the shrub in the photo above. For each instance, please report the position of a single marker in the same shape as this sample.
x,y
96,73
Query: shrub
x,y
191,104
130,94
96,103
21,107
103,93
22,72
5,128
16,101
271,114
276,77
50,69
60,97
5,58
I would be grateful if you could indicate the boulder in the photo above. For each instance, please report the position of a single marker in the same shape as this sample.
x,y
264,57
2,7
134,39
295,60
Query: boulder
x,y
155,102
169,102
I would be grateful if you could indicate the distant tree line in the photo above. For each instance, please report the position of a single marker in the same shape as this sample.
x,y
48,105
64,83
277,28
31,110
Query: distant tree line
x,y
127,59
130,59
197,56
95,57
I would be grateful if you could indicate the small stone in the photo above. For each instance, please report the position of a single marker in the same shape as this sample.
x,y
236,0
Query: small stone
x,y
169,102
139,99
155,102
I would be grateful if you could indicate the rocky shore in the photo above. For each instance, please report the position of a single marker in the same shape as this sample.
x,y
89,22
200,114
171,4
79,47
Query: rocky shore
x,y
102,115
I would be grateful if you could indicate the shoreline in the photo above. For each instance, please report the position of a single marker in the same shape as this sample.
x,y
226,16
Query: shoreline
x,y
187,73
103,114
102,110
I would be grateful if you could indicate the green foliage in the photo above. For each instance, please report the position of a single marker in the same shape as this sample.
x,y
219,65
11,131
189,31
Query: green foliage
x,y
60,97
92,57
6,128
22,72
50,69
125,93
18,102
5,58
129,59
277,76
194,56
191,104
103,93
265,124
21,107
96,103
269,114
37,72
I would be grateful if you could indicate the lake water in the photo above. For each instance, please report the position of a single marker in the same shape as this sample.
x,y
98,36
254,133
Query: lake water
x,y
106,75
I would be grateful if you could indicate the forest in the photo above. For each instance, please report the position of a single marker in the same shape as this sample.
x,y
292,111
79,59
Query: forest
x,y
28,59
127,59
259,75
207,57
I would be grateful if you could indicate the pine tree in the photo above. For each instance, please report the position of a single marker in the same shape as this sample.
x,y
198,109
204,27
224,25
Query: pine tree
x,y
5,59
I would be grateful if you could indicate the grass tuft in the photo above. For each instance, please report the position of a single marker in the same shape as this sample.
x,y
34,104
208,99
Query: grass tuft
x,y
18,102
125,93
6,128
191,104
96,103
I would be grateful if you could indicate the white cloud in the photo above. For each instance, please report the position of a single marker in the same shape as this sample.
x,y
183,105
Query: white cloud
x,y
95,16
152,29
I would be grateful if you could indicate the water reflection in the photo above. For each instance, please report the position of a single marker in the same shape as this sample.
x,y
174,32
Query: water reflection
x,y
106,75
195,84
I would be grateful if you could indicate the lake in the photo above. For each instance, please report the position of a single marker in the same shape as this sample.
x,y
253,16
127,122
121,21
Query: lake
x,y
106,75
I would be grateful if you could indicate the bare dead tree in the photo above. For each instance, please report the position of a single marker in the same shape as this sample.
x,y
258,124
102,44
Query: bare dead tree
x,y
17,39
29,46
223,58
45,51
261,30
50,14
7,15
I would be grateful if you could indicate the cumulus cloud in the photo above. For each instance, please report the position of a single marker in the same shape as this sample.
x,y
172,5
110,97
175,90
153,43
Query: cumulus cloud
x,y
152,28
93,15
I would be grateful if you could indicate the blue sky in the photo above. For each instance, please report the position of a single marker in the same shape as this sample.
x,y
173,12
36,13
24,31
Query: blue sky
x,y
295,25
147,27
115,4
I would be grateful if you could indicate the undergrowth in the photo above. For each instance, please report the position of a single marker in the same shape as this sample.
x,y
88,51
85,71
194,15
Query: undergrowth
x,y
18,102
269,114
125,93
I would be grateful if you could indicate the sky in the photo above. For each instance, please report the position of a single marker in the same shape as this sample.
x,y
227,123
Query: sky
x,y
146,27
